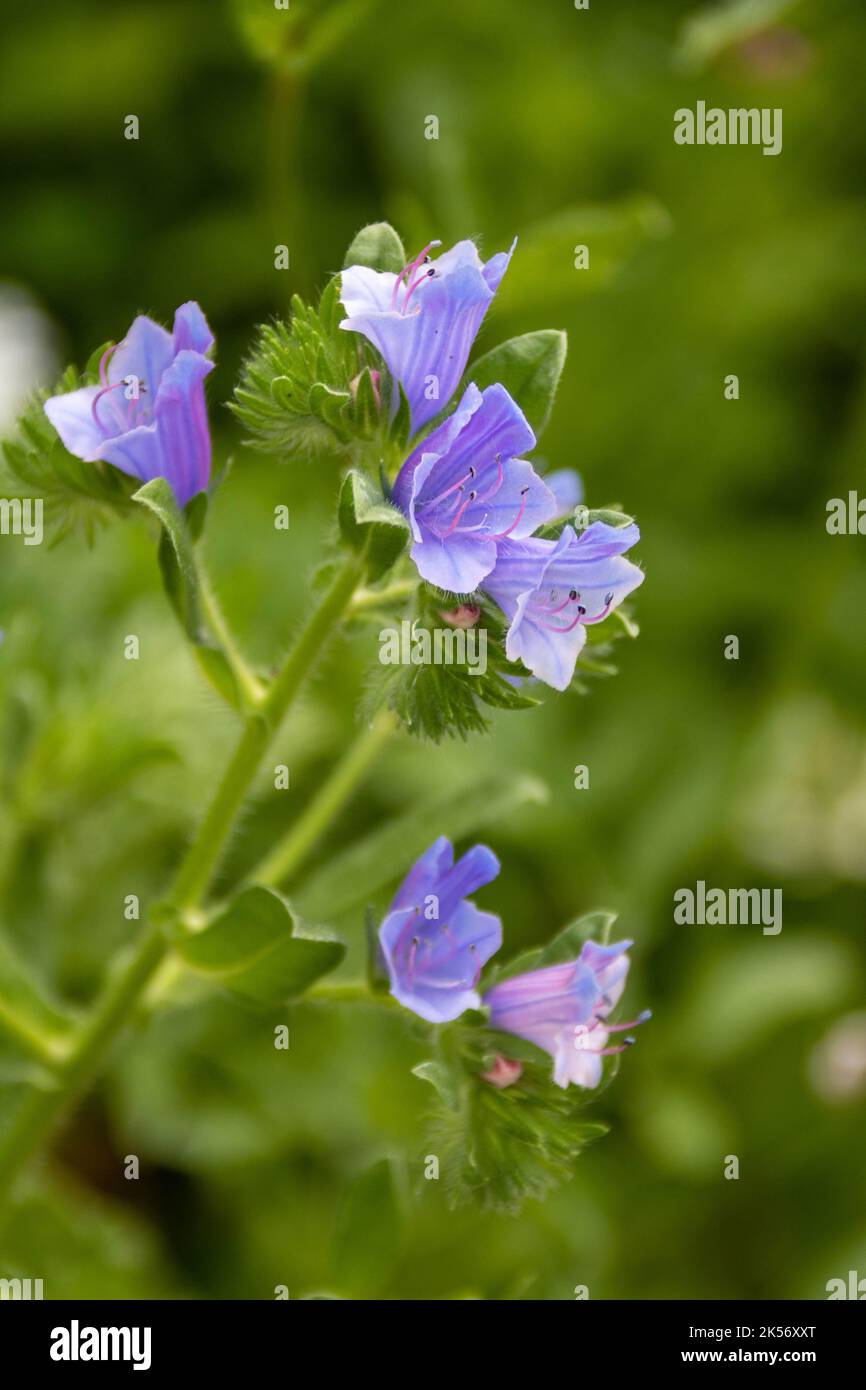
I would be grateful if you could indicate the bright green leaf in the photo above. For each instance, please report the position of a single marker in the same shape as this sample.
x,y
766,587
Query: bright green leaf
x,y
377,246
529,367
259,949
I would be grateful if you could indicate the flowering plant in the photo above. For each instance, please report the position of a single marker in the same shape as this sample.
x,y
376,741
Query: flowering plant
x,y
442,523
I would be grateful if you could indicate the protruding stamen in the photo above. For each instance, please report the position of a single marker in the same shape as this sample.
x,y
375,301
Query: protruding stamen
x,y
500,535
498,484
458,514
608,600
621,1027
104,361
453,488
419,280
118,386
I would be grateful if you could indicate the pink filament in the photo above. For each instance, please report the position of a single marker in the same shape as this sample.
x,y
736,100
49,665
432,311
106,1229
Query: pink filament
x,y
98,397
500,535
408,271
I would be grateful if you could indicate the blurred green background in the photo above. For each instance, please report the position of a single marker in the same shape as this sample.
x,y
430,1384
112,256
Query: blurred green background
x,y
260,127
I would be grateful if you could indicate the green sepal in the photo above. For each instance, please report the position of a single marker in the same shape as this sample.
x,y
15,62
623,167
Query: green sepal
x,y
368,522
498,1147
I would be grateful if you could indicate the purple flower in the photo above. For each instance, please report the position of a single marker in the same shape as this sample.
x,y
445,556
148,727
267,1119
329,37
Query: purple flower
x,y
563,1009
148,416
551,590
464,490
434,943
424,320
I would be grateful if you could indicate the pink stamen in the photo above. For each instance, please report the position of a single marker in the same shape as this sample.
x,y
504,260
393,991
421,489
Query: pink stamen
x,y
409,270
551,612
425,275
621,1027
98,397
552,627
453,488
500,535
103,363
458,514
604,612
498,484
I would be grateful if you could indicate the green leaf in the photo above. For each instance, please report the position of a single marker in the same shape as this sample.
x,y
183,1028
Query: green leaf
x,y
259,949
443,1078
378,246
566,945
709,33
366,519
354,875
369,1231
529,367
26,1014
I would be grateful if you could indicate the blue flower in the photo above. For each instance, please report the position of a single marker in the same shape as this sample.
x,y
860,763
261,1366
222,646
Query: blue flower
x,y
551,590
424,320
148,416
434,943
465,490
564,1010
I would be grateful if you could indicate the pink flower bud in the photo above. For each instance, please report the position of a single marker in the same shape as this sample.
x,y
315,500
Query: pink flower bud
x,y
504,1072
464,615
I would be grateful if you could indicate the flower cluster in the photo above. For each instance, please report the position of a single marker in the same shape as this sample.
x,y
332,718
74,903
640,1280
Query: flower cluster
x,y
379,372
434,944
472,501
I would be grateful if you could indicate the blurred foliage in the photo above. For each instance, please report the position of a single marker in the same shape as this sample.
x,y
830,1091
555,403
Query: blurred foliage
x,y
555,124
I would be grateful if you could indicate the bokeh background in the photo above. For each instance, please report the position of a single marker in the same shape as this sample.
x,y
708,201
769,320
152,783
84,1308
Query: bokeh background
x,y
258,128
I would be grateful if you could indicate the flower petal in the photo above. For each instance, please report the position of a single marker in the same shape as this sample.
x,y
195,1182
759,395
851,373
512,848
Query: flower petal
x,y
425,872
145,353
181,414
72,417
191,329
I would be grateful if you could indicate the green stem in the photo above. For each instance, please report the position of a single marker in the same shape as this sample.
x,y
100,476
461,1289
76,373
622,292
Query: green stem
x,y
350,992
251,688
205,853
288,855
376,598
44,1108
